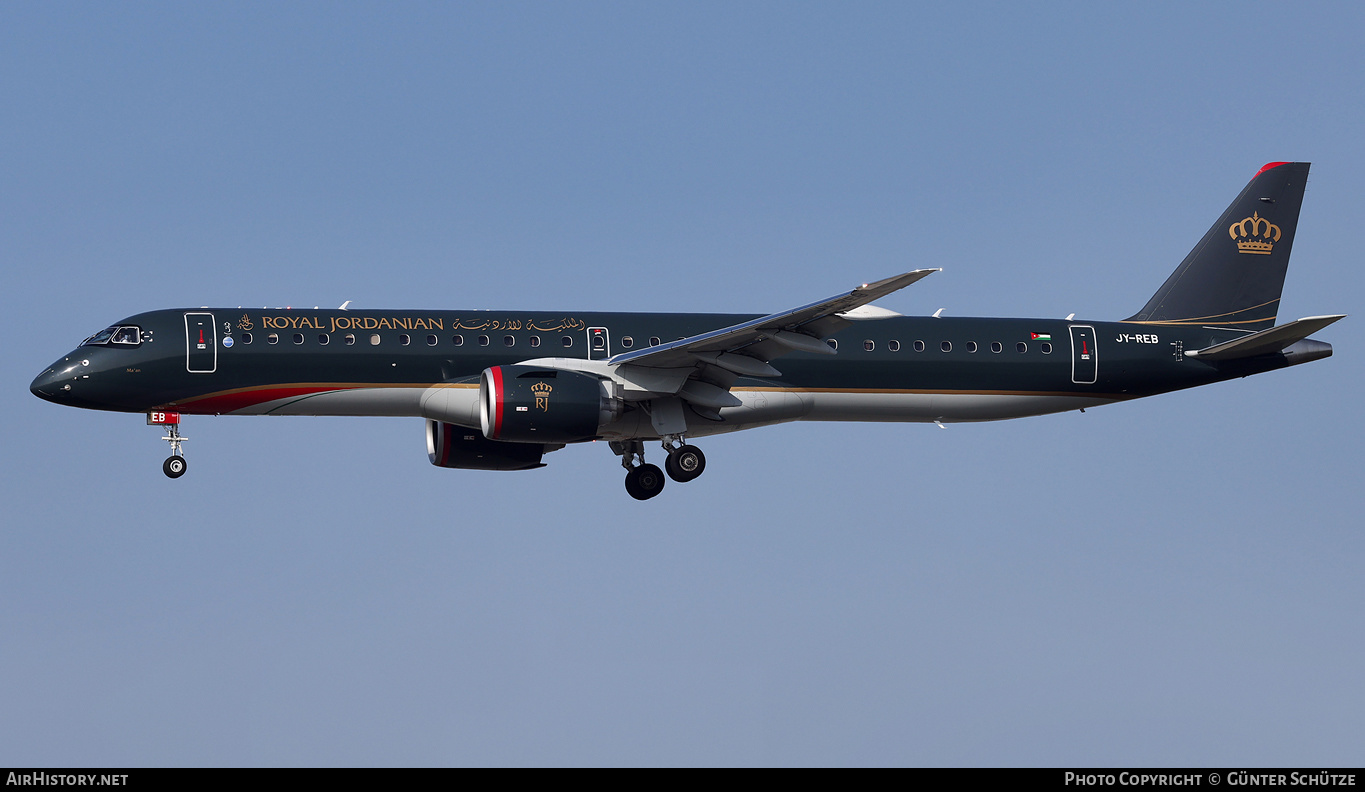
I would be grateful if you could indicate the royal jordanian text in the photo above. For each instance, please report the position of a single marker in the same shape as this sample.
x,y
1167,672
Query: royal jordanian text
x,y
66,779
335,323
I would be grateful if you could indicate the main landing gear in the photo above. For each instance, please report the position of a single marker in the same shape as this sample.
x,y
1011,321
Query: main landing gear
x,y
644,481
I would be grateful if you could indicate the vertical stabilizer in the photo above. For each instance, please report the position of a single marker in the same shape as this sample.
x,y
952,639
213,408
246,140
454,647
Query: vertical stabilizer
x,y
1234,276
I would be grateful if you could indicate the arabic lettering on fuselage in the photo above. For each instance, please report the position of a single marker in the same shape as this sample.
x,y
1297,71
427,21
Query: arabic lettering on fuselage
x,y
334,323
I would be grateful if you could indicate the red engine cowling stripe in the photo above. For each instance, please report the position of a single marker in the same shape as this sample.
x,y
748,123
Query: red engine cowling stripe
x,y
497,402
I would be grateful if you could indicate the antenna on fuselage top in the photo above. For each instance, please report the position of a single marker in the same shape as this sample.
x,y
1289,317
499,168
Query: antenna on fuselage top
x,y
343,305
936,313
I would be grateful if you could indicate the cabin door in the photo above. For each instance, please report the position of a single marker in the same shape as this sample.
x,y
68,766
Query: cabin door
x,y
1084,357
599,343
201,348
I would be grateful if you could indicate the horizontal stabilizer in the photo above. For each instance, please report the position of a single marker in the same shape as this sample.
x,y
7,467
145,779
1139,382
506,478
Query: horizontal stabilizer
x,y
1266,342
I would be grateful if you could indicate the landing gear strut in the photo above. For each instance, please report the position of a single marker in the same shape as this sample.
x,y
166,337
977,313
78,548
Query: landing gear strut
x,y
175,465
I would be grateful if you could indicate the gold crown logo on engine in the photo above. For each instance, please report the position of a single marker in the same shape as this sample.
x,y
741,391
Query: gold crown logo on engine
x,y
542,393
1255,234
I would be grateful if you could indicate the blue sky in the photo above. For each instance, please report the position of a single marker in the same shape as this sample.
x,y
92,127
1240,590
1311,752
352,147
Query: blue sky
x,y
1168,582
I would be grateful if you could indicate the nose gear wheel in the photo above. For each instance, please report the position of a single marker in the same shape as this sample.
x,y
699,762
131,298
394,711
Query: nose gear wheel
x,y
174,467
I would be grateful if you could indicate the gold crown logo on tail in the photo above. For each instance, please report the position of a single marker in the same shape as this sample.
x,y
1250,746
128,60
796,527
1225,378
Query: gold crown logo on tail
x,y
1255,234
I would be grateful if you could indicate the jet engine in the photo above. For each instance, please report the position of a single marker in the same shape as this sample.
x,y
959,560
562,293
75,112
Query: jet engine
x,y
451,446
528,404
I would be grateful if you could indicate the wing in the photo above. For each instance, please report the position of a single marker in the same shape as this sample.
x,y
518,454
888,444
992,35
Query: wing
x,y
700,370
747,348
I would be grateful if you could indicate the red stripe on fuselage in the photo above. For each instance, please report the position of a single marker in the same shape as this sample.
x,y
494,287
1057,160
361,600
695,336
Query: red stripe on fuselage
x,y
251,397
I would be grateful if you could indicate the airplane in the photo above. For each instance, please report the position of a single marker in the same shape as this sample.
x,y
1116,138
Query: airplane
x,y
499,390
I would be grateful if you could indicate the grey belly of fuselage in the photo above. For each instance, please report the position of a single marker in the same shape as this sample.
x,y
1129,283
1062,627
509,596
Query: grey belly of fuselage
x,y
459,404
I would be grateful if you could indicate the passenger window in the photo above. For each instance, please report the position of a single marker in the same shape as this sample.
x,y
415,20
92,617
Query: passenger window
x,y
869,345
431,340
1021,347
894,346
246,338
374,340
971,346
997,347
833,343
946,346
599,342
483,340
273,338
918,346
404,339
535,341
324,339
509,341
567,341
1046,348
348,339
627,342
298,338
653,340
457,340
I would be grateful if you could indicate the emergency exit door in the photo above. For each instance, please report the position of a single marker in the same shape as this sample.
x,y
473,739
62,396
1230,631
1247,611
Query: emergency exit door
x,y
201,349
1084,357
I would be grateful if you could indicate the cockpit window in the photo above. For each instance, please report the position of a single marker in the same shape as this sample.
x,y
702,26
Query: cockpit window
x,y
121,335
100,338
126,335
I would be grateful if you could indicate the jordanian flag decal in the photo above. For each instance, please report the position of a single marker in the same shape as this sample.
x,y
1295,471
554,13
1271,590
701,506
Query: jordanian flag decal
x,y
1040,336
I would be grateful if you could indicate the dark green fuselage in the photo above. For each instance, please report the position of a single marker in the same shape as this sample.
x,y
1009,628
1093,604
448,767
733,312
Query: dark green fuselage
x,y
898,368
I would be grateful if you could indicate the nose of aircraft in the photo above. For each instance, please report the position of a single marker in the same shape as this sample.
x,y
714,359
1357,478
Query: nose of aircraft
x,y
56,381
51,384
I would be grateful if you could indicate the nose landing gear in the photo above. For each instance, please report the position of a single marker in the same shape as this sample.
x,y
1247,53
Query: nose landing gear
x,y
175,465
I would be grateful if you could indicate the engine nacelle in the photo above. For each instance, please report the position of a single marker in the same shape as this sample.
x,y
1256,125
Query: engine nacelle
x,y
451,446
529,404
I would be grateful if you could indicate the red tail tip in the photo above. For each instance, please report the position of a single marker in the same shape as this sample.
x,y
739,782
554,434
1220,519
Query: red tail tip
x,y
1268,166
